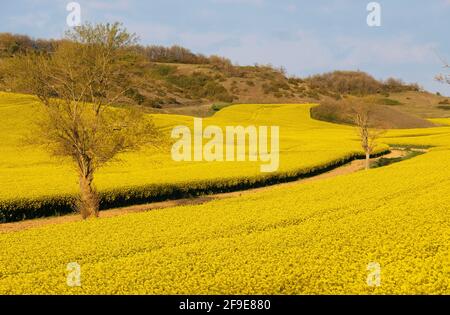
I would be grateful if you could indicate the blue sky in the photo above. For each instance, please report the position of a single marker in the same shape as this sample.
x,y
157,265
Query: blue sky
x,y
305,37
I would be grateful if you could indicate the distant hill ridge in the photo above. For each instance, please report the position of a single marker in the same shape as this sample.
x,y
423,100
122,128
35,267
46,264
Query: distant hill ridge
x,y
176,80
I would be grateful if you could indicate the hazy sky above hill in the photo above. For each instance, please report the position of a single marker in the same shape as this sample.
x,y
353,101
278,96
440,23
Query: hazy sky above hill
x,y
306,37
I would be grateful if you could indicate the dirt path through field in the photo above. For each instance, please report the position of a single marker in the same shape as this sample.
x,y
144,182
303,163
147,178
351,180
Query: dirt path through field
x,y
349,168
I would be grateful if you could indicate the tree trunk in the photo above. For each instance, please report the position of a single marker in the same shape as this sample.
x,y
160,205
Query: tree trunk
x,y
367,160
88,203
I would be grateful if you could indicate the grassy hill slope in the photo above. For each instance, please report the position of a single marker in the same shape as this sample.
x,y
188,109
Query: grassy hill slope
x,y
201,90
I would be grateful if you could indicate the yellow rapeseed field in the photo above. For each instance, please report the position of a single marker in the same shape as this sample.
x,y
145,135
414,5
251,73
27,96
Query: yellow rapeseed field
x,y
317,237
30,179
314,237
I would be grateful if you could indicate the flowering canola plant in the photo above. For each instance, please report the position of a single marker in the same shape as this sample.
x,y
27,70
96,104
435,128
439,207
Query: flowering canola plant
x,y
315,237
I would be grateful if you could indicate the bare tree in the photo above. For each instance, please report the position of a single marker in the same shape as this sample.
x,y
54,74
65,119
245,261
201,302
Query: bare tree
x,y
367,133
444,78
76,84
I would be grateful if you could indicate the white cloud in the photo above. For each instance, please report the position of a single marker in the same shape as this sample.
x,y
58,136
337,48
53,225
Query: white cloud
x,y
299,55
36,20
205,41
304,52
291,8
396,51
153,33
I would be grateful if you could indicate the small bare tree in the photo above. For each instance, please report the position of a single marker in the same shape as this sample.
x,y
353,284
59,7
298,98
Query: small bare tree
x,y
76,84
367,133
444,78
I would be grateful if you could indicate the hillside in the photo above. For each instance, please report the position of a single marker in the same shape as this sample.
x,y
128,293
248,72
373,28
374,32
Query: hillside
x,y
413,111
201,90
176,80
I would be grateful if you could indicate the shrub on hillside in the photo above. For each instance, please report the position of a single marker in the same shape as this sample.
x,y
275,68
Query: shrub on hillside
x,y
135,96
218,106
158,70
388,101
13,44
396,85
344,82
200,85
174,54
331,111
356,83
